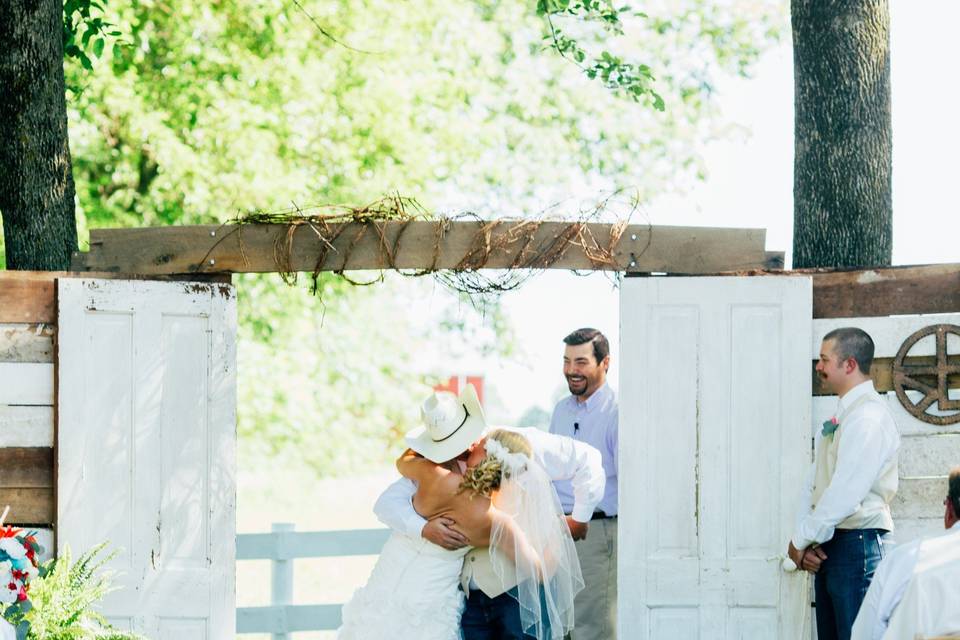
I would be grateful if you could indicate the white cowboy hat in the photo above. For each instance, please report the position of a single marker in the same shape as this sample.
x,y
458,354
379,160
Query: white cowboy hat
x,y
450,425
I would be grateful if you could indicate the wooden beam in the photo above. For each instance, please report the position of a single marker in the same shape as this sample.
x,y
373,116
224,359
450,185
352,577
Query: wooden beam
x,y
882,373
26,467
26,297
414,245
886,292
29,506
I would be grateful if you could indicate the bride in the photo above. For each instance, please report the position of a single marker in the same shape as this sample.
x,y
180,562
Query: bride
x,y
499,497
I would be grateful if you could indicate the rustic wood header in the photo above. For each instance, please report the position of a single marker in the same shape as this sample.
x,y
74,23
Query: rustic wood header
x,y
886,291
418,245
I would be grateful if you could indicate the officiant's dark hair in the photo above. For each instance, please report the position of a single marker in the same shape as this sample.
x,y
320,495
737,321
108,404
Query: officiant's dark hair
x,y
851,342
601,347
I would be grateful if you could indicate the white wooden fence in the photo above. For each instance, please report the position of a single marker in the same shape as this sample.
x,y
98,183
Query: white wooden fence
x,y
284,545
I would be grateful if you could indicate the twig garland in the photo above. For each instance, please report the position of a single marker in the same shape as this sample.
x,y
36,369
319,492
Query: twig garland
x,y
328,222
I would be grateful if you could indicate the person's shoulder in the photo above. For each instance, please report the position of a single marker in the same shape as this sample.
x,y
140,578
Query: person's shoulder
x,y
872,414
609,402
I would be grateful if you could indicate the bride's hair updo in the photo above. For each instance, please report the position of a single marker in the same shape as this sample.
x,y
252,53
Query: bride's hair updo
x,y
485,478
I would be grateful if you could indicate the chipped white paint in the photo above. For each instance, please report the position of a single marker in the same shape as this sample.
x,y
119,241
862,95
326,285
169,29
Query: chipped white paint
x,y
26,343
715,407
146,448
26,426
869,277
26,383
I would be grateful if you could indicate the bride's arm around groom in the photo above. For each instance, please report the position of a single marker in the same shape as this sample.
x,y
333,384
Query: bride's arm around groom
x,y
562,458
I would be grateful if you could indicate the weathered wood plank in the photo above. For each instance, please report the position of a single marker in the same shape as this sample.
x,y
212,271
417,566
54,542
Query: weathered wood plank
x,y
29,506
26,342
919,498
26,467
26,383
26,297
907,529
825,406
882,373
26,426
888,333
413,245
929,455
887,291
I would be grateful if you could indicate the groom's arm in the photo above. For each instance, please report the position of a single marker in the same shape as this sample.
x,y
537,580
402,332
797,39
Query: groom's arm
x,y
564,458
394,508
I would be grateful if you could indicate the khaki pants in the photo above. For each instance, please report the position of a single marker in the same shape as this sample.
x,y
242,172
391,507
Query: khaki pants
x,y
596,606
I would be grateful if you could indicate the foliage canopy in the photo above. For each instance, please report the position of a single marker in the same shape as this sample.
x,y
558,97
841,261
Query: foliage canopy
x,y
198,111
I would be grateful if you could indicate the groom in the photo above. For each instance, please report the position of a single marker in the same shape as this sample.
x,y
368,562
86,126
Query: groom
x,y
453,430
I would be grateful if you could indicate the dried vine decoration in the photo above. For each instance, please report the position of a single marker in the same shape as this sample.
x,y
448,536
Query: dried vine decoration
x,y
470,276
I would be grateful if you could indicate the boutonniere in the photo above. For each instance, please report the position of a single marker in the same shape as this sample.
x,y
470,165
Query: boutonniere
x,y
829,426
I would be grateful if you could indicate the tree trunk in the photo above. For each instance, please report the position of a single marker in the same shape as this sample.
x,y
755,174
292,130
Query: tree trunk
x,y
843,211
36,183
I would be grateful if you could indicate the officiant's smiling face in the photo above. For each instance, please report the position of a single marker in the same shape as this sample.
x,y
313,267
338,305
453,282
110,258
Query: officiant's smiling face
x,y
583,373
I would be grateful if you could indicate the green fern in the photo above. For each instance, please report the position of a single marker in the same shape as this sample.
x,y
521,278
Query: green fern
x,y
63,597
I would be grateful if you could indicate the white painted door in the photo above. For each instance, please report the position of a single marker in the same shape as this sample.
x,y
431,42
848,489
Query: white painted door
x,y
714,414
145,448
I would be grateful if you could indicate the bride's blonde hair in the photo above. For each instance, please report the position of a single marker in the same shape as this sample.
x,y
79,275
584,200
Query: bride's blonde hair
x,y
485,478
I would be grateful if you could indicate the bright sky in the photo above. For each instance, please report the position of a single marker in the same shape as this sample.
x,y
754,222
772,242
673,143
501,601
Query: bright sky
x,y
751,185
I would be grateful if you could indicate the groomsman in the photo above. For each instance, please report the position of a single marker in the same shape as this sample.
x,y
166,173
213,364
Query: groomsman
x,y
589,414
844,509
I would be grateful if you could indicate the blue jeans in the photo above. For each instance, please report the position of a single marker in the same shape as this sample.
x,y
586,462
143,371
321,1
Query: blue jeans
x,y
486,618
843,579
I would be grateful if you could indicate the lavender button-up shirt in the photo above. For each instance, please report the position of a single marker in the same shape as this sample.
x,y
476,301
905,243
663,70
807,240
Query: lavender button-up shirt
x,y
593,422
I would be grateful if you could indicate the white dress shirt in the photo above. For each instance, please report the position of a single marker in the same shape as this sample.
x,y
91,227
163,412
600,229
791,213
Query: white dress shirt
x,y
887,588
870,440
929,603
595,422
562,459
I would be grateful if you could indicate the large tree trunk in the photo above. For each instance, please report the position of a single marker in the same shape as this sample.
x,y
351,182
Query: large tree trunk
x,y
36,183
843,212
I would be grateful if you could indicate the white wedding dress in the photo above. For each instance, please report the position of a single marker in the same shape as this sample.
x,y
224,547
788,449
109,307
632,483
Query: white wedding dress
x,y
412,594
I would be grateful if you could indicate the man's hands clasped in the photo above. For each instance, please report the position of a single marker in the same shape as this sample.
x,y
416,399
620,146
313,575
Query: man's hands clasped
x,y
808,559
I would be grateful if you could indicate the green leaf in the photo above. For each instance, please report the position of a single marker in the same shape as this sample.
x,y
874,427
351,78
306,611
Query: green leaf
x,y
98,47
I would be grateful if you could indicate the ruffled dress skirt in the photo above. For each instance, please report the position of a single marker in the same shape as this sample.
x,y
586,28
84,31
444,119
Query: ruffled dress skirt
x,y
413,593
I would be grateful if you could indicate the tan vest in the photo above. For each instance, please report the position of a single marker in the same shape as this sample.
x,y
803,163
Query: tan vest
x,y
874,511
477,565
